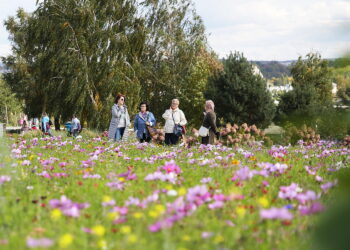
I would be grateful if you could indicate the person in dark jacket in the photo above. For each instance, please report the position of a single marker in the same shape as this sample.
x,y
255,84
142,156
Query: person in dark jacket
x,y
209,122
143,119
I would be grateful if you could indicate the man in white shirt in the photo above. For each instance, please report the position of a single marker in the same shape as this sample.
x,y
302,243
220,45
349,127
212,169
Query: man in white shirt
x,y
76,127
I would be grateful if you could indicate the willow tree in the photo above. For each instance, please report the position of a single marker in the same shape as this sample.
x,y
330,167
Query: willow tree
x,y
74,56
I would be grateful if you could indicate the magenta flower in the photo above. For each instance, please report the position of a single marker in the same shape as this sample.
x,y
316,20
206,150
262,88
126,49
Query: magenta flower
x,y
42,242
276,213
171,167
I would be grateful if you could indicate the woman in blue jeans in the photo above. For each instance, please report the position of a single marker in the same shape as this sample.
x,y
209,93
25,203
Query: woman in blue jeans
x,y
120,120
143,119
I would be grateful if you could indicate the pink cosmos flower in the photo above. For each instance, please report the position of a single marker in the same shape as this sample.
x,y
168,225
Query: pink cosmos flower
x,y
313,208
4,178
289,192
171,167
42,242
276,213
26,163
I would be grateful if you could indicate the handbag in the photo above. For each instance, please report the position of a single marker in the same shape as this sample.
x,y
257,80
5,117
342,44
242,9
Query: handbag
x,y
203,131
177,128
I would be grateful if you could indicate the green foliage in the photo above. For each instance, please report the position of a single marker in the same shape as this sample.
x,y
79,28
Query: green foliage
x,y
312,83
239,95
10,105
75,56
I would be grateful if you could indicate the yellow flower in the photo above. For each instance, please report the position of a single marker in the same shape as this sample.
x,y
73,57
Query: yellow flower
x,y
56,214
235,162
253,158
121,178
125,229
113,215
102,243
240,211
160,208
263,201
138,215
182,191
31,157
235,190
218,239
186,238
98,230
132,238
65,240
169,187
153,214
106,198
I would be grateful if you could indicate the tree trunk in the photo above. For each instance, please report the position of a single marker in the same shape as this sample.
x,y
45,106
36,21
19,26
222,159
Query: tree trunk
x,y
7,117
57,123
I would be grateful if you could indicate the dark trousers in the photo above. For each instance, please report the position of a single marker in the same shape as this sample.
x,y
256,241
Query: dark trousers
x,y
171,139
145,138
205,140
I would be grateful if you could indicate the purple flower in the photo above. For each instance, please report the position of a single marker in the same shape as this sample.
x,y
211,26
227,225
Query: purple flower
x,y
4,178
206,180
206,235
289,192
26,163
42,242
276,213
243,174
118,185
155,227
198,195
328,185
68,207
216,205
307,196
315,207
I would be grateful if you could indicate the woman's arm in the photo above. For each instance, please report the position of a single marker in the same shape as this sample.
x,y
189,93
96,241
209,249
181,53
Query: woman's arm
x,y
183,120
115,112
152,119
167,114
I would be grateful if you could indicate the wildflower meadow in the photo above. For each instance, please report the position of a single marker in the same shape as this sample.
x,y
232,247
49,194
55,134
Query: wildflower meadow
x,y
89,193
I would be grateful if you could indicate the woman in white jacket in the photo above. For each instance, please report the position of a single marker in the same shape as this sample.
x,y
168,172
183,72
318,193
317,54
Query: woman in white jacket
x,y
173,116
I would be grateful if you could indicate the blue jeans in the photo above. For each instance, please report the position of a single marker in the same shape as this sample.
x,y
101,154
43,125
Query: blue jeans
x,y
119,134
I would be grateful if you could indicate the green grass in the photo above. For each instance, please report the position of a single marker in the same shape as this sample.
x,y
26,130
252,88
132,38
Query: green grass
x,y
25,210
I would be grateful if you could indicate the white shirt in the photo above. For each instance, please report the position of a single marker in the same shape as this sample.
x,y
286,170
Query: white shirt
x,y
173,115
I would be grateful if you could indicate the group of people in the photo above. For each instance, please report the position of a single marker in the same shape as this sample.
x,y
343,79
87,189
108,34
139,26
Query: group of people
x,y
175,122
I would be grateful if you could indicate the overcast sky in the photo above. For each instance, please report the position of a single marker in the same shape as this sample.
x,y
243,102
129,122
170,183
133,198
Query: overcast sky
x,y
261,29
